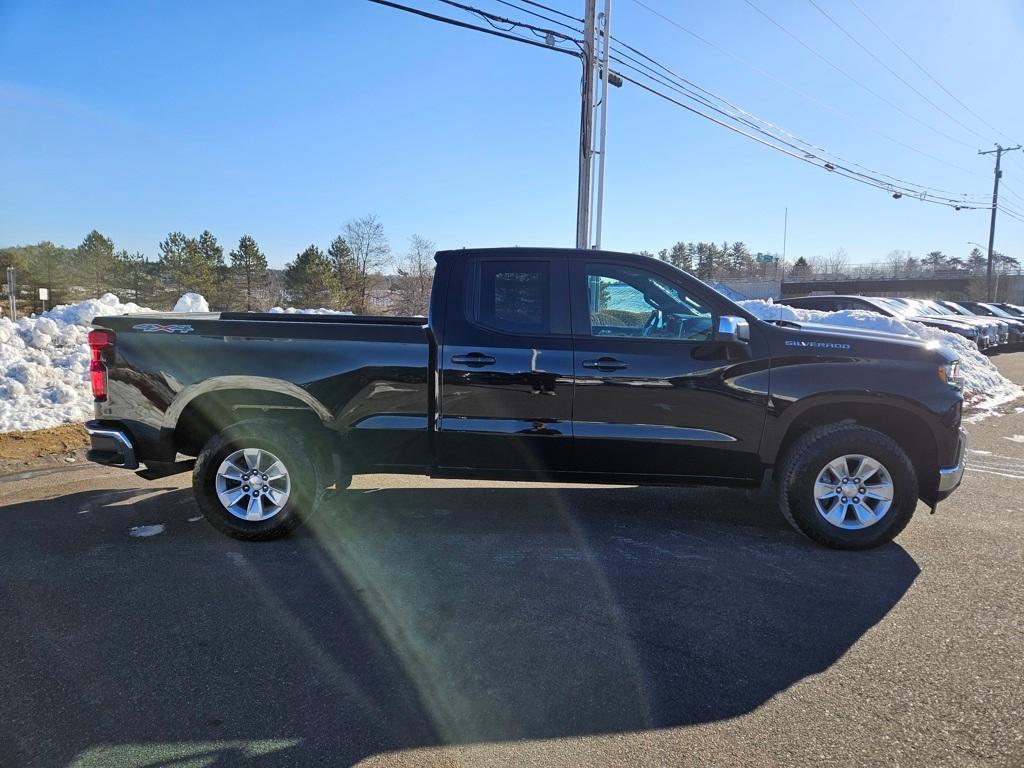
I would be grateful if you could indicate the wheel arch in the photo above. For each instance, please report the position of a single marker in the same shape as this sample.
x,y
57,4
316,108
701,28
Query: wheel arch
x,y
205,408
908,428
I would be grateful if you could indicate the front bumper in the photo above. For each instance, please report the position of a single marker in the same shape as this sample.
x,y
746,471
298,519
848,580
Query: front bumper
x,y
950,477
111,446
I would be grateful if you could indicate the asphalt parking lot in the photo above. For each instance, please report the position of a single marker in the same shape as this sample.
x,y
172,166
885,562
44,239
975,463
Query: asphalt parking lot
x,y
463,623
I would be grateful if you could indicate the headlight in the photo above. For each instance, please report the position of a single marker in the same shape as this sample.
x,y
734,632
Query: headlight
x,y
950,373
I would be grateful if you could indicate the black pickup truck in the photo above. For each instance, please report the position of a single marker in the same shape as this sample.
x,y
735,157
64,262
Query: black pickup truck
x,y
579,366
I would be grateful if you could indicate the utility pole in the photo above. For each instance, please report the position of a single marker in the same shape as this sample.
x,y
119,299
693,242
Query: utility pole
x,y
586,125
594,112
604,37
998,152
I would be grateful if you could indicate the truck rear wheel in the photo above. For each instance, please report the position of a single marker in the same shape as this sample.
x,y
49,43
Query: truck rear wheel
x,y
847,486
253,480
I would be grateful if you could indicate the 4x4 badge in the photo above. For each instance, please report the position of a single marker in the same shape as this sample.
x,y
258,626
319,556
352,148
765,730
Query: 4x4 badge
x,y
158,328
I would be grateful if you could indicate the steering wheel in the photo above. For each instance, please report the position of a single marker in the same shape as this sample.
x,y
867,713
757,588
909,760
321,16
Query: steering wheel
x,y
649,324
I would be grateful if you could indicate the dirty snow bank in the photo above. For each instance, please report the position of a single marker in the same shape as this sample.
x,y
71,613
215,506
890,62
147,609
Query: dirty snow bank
x,y
44,364
984,386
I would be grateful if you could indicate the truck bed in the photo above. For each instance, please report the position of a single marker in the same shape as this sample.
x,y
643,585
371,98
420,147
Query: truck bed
x,y
355,373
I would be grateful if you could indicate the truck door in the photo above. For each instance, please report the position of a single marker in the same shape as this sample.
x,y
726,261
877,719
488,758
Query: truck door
x,y
655,394
505,366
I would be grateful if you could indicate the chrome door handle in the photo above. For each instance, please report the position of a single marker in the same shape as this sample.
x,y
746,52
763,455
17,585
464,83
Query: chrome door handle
x,y
474,359
604,364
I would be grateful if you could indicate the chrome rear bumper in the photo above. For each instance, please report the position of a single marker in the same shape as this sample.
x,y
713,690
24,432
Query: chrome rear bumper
x,y
110,446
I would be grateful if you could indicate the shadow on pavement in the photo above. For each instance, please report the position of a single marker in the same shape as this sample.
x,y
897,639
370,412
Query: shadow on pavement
x,y
408,617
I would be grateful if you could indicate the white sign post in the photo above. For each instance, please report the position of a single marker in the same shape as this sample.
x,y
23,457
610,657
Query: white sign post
x,y
10,292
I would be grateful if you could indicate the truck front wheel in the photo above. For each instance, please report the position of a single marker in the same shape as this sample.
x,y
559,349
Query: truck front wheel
x,y
252,480
847,486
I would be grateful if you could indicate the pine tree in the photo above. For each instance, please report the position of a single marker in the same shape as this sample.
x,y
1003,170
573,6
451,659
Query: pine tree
x,y
96,258
977,261
739,260
200,272
210,249
218,290
249,269
347,271
681,255
173,262
134,273
310,280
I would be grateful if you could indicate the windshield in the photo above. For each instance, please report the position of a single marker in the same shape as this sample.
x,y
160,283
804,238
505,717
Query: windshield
x,y
997,311
960,310
936,307
892,304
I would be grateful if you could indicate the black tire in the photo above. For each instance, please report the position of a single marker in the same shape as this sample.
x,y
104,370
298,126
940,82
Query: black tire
x,y
285,443
798,471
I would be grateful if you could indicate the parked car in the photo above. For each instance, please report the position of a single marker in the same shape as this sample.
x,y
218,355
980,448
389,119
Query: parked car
x,y
991,310
1012,309
962,311
567,365
930,308
888,308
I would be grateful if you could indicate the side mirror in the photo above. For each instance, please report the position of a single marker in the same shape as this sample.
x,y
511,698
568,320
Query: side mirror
x,y
732,329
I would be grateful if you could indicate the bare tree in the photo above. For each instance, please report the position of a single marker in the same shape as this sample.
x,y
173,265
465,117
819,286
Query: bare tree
x,y
370,253
415,276
899,263
836,262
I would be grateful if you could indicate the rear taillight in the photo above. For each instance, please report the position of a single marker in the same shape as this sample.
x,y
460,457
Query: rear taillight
x,y
99,340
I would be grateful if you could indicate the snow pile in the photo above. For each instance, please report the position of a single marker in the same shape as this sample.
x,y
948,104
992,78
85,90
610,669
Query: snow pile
x,y
321,311
984,386
44,363
191,302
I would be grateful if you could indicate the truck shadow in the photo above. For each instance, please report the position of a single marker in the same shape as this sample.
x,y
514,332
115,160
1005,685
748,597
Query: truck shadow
x,y
411,617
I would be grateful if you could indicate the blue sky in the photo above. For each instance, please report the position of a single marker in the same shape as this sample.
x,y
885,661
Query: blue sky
x,y
286,120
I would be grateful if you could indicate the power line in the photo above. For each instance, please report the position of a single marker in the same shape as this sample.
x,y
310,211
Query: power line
x,y
1013,193
960,196
854,80
474,27
925,71
798,91
771,139
549,9
1011,215
903,187
891,71
797,155
542,16
491,18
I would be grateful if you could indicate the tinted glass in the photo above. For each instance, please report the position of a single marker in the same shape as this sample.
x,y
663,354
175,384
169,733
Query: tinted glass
x,y
626,301
513,296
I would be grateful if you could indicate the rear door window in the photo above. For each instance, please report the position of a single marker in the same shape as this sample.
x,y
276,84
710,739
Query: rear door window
x,y
511,296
